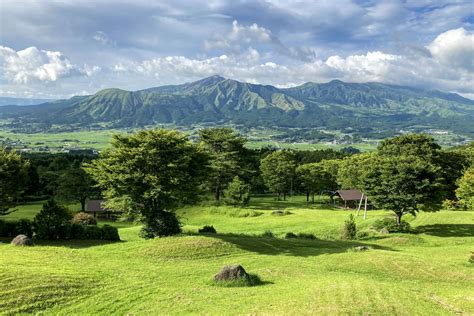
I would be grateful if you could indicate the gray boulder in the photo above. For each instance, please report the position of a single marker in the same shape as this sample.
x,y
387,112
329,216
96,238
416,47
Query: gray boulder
x,y
384,231
362,248
231,273
22,240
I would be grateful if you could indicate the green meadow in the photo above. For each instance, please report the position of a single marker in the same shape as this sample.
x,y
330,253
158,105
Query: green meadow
x,y
424,273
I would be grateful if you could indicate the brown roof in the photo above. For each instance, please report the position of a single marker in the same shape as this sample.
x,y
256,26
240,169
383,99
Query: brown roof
x,y
350,195
95,206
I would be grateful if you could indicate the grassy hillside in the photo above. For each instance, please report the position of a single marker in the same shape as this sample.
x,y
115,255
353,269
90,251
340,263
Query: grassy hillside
x,y
426,273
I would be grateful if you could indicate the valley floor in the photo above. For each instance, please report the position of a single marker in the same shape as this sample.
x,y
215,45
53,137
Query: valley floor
x,y
427,273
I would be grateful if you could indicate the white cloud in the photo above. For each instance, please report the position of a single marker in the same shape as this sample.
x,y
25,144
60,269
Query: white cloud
x,y
102,38
454,48
31,64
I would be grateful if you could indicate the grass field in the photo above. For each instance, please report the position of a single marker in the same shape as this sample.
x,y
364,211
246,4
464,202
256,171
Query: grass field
x,y
427,273
100,140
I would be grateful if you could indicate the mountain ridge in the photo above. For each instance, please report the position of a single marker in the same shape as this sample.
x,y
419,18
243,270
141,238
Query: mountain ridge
x,y
218,100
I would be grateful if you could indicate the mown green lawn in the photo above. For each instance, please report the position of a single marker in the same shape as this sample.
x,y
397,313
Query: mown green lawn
x,y
427,273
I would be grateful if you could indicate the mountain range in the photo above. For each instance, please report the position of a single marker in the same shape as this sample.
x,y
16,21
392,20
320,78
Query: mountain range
x,y
217,100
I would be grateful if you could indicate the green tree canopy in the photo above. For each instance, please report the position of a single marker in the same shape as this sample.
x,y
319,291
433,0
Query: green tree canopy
x,y
225,147
316,177
465,190
150,173
278,171
75,185
13,177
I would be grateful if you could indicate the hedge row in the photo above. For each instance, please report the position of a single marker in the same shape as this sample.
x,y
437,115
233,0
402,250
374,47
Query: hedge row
x,y
69,231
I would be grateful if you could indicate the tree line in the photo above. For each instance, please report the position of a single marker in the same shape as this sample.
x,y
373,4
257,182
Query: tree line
x,y
147,175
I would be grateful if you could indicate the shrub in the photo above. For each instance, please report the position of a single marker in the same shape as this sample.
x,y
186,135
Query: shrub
x,y
268,234
52,222
290,235
450,205
280,213
306,236
84,219
14,228
392,226
349,230
24,226
164,224
92,232
110,233
77,231
207,230
237,192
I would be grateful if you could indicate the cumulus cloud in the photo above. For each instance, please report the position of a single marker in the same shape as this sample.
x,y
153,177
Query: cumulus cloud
x,y
33,64
454,48
243,36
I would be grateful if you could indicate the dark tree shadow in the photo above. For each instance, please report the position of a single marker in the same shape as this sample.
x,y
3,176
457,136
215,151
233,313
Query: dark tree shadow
x,y
447,230
292,247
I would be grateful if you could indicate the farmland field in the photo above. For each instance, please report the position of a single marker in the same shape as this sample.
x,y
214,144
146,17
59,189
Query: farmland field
x,y
410,274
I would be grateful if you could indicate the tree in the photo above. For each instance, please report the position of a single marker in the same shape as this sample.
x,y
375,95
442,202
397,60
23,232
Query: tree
x,y
225,147
237,192
402,184
13,176
148,174
404,175
52,222
316,177
465,190
278,171
75,185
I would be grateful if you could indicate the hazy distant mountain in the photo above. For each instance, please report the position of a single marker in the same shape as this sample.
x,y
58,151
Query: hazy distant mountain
x,y
22,101
335,104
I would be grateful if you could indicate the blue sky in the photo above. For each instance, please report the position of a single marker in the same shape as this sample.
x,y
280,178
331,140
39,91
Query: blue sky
x,y
62,48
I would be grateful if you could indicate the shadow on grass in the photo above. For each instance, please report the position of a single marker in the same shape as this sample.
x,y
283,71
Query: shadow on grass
x,y
74,244
291,247
447,230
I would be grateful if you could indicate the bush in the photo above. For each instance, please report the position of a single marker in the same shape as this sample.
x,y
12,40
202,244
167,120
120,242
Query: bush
x,y
14,228
306,236
280,213
451,205
268,234
110,233
290,235
391,225
207,230
24,227
237,192
84,219
92,232
164,224
77,231
52,222
349,230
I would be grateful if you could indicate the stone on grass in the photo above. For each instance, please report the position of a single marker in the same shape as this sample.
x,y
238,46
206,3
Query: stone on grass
x,y
231,273
384,231
362,248
22,240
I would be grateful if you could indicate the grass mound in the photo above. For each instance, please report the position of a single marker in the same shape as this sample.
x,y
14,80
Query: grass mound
x,y
186,248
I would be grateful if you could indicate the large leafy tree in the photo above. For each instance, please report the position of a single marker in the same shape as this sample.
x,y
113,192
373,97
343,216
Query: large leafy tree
x,y
75,185
149,174
316,177
225,147
278,171
13,176
465,191
403,184
405,175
